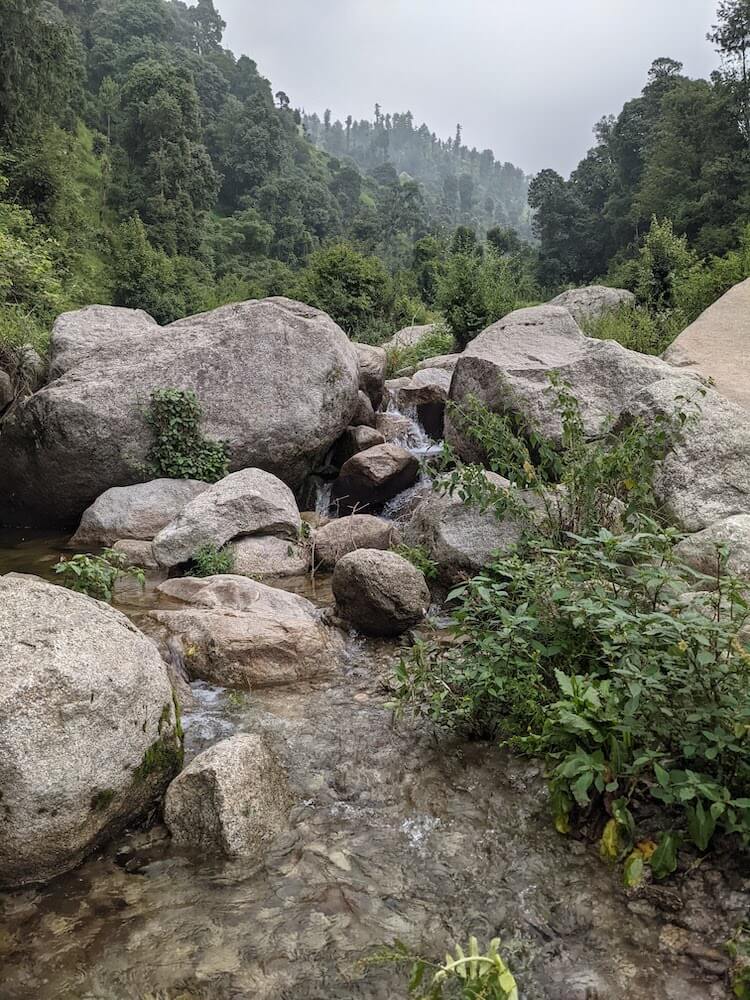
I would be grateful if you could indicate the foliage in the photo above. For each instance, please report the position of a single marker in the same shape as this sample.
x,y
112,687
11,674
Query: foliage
x,y
637,329
97,575
568,489
209,560
663,258
179,449
418,556
432,345
467,975
592,657
738,948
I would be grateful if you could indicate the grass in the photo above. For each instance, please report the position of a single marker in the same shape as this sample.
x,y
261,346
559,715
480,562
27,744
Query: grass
x,y
638,329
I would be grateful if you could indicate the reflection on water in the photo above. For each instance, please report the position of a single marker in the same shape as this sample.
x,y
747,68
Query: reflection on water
x,y
392,837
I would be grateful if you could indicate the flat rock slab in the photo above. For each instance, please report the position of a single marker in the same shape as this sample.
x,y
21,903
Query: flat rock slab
x,y
717,345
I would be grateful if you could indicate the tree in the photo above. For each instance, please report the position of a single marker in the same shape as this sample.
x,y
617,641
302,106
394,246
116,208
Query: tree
x,y
664,257
732,39
351,288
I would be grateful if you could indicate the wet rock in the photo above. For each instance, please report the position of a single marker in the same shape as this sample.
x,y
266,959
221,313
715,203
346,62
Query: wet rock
x,y
460,539
264,557
88,736
373,363
354,440
364,415
239,633
250,502
716,345
395,427
700,550
594,301
380,593
137,553
231,800
138,512
347,534
425,393
371,478
706,477
507,366
277,381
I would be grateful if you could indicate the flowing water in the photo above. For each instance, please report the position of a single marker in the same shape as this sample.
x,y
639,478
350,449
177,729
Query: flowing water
x,y
393,837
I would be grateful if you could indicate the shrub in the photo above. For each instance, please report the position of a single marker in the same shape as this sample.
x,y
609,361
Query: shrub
x,y
638,329
418,556
97,575
439,341
663,259
210,560
179,450
592,657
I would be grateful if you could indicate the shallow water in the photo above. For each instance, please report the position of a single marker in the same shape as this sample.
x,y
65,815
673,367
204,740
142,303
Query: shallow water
x,y
393,837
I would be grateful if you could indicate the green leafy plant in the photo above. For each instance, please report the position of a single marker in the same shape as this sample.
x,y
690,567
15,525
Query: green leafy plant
x,y
179,449
418,556
209,560
637,329
636,696
435,343
97,575
466,975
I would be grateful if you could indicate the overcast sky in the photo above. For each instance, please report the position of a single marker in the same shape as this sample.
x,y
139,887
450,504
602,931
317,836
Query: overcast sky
x,y
526,78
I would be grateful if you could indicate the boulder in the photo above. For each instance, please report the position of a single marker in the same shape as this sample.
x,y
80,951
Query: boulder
x,y
231,800
445,361
700,550
373,364
507,369
239,633
371,478
347,534
137,553
410,336
397,429
139,511
265,557
7,393
251,502
425,394
88,734
717,345
277,381
592,302
354,440
380,593
364,415
706,477
460,539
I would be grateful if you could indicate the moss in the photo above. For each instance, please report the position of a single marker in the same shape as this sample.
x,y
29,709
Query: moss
x,y
100,800
167,753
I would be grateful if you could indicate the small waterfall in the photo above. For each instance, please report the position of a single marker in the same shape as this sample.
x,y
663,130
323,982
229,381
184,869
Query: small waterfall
x,y
415,439
323,498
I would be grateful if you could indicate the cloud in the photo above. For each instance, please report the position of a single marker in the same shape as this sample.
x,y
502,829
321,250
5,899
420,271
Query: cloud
x,y
526,78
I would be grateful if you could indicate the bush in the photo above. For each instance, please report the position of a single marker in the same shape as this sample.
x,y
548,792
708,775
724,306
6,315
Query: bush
x,y
212,561
96,575
418,556
439,341
638,329
179,450
592,657
664,258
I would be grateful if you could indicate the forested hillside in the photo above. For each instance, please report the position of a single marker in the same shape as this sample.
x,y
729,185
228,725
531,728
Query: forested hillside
x,y
462,185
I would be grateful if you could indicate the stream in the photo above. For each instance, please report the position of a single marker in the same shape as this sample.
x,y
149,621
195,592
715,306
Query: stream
x,y
394,837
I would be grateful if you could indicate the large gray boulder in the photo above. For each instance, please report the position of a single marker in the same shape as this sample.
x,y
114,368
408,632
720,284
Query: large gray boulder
x,y
267,557
594,301
701,549
239,633
276,379
373,364
139,511
347,534
88,734
460,539
507,369
370,478
706,477
380,593
410,336
717,345
250,502
424,394
231,800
